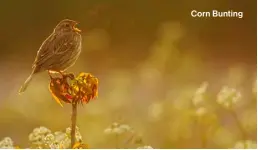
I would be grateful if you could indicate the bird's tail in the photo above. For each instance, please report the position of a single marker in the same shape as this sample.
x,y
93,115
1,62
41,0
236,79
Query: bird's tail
x,y
26,83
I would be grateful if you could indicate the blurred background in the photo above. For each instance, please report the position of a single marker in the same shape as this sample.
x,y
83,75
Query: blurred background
x,y
150,56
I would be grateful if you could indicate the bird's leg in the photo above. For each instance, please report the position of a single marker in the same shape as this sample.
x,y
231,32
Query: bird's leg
x,y
66,75
49,74
61,73
70,75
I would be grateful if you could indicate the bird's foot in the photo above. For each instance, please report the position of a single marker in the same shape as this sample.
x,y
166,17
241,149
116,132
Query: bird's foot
x,y
64,75
49,73
68,75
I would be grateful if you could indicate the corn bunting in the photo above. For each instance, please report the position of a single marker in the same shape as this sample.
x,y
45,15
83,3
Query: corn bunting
x,y
58,52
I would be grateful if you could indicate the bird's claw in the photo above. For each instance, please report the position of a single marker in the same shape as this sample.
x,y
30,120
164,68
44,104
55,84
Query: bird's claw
x,y
68,75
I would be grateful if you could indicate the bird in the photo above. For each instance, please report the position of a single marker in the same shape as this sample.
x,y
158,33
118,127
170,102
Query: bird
x,y
59,51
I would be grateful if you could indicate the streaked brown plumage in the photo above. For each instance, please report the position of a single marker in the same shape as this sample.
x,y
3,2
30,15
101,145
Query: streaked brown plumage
x,y
59,51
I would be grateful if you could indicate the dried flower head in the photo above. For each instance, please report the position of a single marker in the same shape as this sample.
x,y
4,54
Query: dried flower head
x,y
70,89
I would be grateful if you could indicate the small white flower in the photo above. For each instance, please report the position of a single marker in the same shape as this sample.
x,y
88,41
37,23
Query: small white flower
x,y
155,110
248,144
251,144
202,89
199,94
77,133
117,131
239,145
125,127
114,125
116,128
61,139
38,135
50,140
201,111
197,99
68,130
228,96
7,142
59,136
43,138
44,130
65,143
236,98
145,147
108,131
223,94
49,137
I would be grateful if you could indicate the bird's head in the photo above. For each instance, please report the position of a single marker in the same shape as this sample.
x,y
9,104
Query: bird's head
x,y
67,25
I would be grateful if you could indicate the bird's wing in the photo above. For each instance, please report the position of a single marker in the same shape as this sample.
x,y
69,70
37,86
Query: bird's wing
x,y
55,45
44,51
65,43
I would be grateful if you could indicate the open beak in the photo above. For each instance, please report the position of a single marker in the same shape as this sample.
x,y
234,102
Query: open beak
x,y
75,28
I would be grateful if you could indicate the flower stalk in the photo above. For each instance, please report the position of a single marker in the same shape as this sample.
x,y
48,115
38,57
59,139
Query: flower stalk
x,y
73,123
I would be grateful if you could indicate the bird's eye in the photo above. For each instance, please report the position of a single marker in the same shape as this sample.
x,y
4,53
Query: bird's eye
x,y
66,25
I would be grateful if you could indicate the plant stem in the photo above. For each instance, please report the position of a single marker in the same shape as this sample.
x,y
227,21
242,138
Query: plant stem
x,y
73,124
240,126
129,140
116,140
202,131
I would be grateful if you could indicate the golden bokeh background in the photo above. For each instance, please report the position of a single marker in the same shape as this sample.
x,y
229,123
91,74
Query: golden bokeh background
x,y
150,56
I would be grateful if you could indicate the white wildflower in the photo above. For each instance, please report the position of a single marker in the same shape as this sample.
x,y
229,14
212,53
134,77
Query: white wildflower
x,y
43,138
202,89
116,128
201,111
38,135
49,137
59,136
145,147
125,127
115,124
236,98
199,94
77,133
248,144
6,143
155,110
108,131
228,96
50,141
43,130
65,143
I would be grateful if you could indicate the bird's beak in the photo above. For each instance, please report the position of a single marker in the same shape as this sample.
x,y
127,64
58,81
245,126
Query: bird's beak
x,y
75,28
